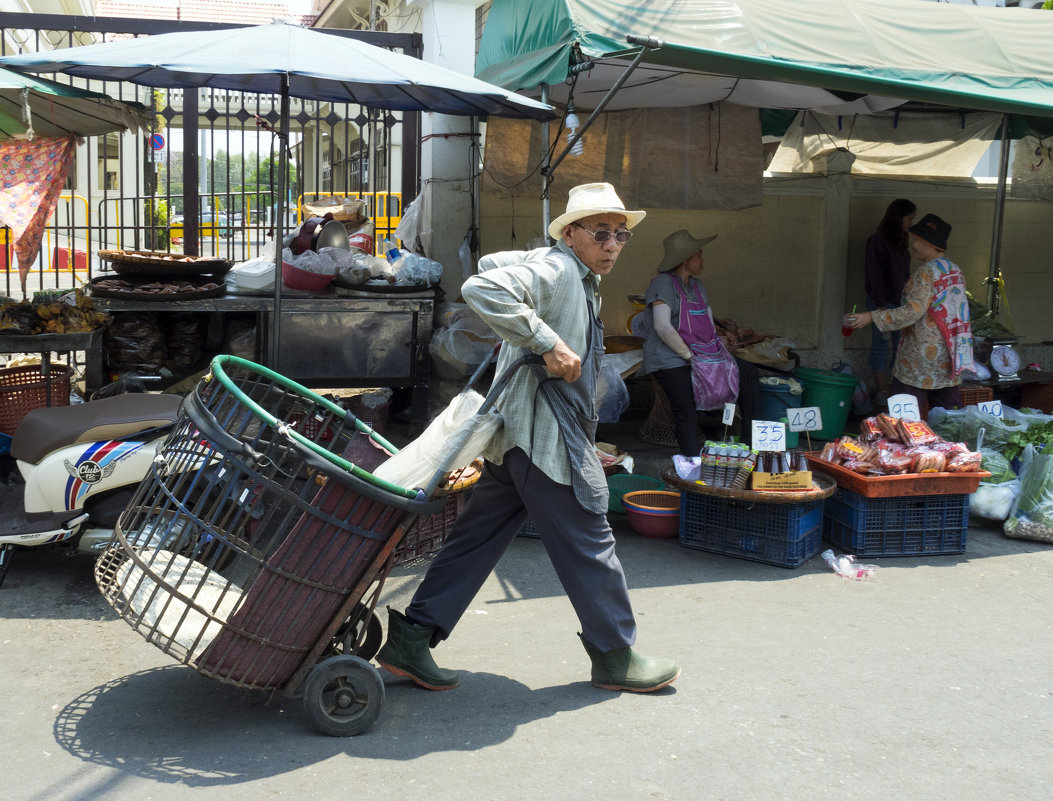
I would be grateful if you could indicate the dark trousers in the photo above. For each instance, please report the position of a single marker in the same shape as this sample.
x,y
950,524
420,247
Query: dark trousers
x,y
579,543
677,385
947,397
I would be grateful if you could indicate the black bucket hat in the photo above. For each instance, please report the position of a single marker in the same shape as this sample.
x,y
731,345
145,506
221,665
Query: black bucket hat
x,y
933,230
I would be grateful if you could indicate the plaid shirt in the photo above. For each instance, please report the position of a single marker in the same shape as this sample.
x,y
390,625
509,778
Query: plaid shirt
x,y
532,299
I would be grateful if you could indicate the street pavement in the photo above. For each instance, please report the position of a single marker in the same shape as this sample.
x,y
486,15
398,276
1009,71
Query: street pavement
x,y
931,680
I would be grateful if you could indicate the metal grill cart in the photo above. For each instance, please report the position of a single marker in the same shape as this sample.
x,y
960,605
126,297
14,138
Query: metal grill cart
x,y
255,550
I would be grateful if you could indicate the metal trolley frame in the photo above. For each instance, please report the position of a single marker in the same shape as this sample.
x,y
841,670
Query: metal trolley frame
x,y
255,551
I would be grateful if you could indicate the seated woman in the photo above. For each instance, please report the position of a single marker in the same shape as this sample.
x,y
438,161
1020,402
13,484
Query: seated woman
x,y
680,339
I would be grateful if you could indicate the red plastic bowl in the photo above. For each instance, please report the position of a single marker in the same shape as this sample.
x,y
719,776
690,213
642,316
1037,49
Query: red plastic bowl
x,y
295,278
653,513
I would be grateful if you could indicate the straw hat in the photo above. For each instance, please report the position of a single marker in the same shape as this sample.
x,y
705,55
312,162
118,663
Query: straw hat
x,y
589,199
679,245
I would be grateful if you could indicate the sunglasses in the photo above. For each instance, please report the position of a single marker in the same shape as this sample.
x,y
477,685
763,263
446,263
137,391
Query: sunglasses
x,y
621,237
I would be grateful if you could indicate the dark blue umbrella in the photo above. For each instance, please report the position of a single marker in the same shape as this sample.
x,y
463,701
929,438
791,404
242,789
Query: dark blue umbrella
x,y
288,61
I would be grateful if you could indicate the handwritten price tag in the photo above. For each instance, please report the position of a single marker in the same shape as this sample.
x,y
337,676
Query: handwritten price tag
x,y
993,407
807,418
769,435
905,407
729,414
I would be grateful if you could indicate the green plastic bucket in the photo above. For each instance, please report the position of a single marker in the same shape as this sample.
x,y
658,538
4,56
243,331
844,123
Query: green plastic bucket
x,y
832,393
773,402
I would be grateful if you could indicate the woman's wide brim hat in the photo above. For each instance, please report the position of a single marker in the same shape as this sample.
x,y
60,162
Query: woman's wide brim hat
x,y
679,247
933,230
589,199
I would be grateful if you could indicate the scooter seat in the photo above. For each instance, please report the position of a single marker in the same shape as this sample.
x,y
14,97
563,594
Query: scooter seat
x,y
119,417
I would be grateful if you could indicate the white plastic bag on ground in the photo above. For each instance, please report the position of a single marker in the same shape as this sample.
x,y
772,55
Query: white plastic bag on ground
x,y
994,501
454,439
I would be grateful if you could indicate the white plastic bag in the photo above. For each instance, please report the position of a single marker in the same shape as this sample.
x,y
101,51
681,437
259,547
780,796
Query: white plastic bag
x,y
454,439
412,269
461,346
994,501
612,396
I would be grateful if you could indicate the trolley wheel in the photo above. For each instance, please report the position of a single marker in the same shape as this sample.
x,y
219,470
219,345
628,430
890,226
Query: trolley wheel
x,y
343,695
347,635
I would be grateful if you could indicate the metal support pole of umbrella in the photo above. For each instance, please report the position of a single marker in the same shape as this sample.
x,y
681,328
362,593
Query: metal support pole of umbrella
x,y
647,44
546,201
994,271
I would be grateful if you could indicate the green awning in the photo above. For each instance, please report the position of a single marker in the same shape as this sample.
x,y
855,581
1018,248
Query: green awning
x,y
834,56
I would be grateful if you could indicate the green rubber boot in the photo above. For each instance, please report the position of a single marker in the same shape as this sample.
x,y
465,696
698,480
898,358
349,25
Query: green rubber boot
x,y
624,669
407,652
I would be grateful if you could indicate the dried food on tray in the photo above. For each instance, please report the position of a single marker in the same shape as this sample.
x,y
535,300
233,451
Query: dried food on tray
x,y
145,289
152,262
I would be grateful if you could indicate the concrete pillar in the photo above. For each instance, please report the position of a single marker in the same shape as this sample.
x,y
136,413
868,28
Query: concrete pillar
x,y
833,276
446,150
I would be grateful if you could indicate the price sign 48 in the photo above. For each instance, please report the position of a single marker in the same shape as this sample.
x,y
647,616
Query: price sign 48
x,y
806,418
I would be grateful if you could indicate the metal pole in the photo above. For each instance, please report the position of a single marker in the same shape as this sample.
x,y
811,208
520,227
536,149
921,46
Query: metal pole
x,y
279,223
648,43
994,272
546,205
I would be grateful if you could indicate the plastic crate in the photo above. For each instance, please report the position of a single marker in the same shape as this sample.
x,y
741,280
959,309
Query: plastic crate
x,y
909,526
429,532
783,534
529,530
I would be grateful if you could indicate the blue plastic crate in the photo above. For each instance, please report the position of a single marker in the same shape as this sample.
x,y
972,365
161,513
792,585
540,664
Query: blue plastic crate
x,y
906,526
528,529
783,534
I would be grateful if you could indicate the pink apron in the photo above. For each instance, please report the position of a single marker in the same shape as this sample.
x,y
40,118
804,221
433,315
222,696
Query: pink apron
x,y
714,374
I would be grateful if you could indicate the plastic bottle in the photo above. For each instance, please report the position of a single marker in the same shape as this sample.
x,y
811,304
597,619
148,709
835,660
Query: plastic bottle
x,y
748,465
846,566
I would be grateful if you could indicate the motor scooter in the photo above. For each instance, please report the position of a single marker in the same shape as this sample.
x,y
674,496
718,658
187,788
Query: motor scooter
x,y
71,470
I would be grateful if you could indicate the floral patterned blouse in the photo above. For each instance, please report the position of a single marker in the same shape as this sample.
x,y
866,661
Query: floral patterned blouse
x,y
922,359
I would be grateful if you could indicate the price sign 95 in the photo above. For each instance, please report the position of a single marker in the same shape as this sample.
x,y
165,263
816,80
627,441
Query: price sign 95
x,y
769,435
904,407
807,418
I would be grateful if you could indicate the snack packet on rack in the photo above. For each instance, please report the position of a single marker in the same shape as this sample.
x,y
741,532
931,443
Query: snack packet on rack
x,y
915,432
927,460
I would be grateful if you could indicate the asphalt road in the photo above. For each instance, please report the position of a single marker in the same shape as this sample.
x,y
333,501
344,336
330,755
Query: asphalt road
x,y
930,681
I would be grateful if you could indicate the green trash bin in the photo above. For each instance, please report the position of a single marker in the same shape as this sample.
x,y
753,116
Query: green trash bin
x,y
832,393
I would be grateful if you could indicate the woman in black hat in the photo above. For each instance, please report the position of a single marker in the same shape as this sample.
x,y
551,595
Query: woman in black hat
x,y
937,343
682,349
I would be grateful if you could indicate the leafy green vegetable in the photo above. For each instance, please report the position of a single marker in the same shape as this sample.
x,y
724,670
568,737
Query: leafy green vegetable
x,y
1037,434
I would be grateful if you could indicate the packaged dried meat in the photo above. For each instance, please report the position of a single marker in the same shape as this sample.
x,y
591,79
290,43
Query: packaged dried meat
x,y
862,467
966,462
870,431
887,424
829,453
927,460
893,456
849,448
949,449
915,432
